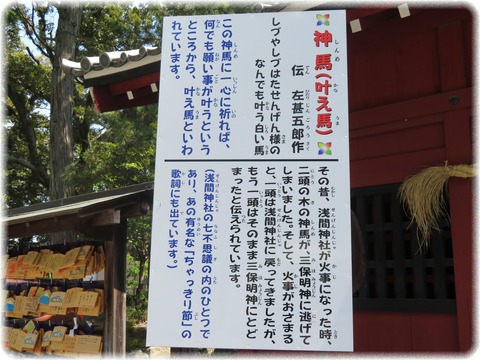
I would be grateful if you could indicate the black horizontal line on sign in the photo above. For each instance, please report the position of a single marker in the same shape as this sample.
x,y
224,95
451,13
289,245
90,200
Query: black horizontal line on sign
x,y
251,160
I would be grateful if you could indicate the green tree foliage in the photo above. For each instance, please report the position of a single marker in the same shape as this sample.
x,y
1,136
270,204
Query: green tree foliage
x,y
110,150
139,235
28,90
121,151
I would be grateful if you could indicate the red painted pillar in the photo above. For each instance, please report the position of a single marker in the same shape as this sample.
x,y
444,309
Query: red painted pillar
x,y
458,141
461,214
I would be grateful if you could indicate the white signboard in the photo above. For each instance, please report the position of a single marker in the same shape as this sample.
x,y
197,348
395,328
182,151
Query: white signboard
x,y
251,222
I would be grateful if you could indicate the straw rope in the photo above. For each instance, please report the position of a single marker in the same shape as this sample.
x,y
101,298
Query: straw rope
x,y
423,196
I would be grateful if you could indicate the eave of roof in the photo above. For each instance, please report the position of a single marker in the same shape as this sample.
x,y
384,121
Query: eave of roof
x,y
74,208
101,195
113,62
79,213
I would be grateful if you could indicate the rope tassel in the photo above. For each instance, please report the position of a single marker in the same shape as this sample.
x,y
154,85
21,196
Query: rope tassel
x,y
423,196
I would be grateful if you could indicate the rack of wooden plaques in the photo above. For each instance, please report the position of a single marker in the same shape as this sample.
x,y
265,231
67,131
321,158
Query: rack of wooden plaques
x,y
53,300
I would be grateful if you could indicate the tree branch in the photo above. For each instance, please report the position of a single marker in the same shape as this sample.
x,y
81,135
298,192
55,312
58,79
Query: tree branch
x,y
40,174
26,125
32,34
28,131
32,56
42,37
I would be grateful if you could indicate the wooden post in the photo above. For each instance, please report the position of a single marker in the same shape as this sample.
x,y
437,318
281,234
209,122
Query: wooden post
x,y
458,138
115,291
461,215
